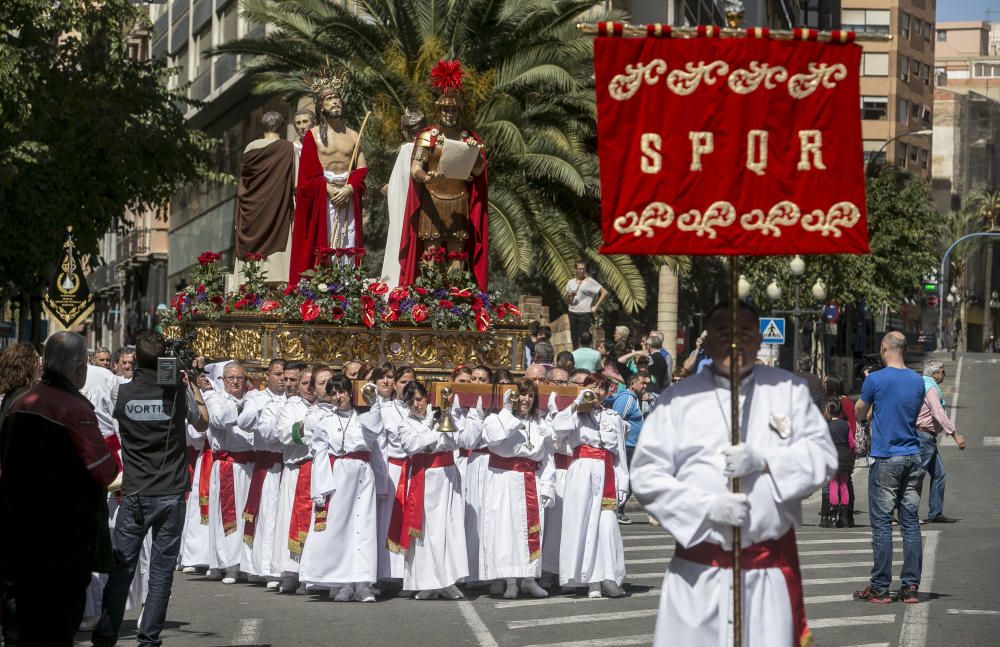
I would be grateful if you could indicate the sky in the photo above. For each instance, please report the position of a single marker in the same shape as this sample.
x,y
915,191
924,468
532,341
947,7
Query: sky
x,y
950,10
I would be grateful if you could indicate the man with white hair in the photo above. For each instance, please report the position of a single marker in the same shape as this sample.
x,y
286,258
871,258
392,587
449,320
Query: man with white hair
x,y
932,420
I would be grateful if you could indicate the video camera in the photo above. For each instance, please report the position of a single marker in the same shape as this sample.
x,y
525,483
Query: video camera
x,y
178,357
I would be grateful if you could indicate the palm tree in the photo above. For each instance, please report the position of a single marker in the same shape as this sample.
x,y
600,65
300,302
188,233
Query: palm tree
x,y
957,224
985,206
529,94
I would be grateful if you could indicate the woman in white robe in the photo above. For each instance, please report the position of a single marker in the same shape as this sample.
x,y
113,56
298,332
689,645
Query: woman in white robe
x,y
562,458
472,460
391,409
341,552
591,552
194,538
433,530
519,485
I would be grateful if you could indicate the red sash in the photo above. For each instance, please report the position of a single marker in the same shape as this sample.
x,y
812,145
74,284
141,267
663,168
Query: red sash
x,y
227,486
534,523
467,453
413,512
563,461
115,447
320,524
398,503
609,499
205,482
298,527
262,464
773,553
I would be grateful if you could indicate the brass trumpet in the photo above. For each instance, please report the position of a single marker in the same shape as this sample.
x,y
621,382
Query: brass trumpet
x,y
447,423
589,400
368,392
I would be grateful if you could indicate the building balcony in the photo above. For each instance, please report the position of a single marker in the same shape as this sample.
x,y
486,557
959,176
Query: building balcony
x,y
103,279
141,246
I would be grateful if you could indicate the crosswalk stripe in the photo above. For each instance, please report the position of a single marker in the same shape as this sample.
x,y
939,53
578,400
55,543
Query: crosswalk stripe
x,y
572,620
823,599
665,538
651,560
508,604
836,565
643,639
849,551
653,547
973,612
835,580
854,621
857,540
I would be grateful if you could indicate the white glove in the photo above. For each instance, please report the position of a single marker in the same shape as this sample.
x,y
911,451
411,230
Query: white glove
x,y
730,509
319,501
429,416
479,408
508,400
546,501
741,460
551,406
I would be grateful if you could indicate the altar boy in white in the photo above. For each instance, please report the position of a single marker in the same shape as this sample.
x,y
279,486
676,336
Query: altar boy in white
x,y
680,473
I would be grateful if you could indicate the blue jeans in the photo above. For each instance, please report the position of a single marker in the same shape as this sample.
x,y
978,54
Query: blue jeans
x,y
164,515
930,458
895,482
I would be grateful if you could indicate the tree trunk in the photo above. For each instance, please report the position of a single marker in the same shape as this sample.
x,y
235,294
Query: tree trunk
x,y
666,311
36,319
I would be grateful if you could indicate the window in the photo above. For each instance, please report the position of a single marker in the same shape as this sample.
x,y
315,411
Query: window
x,y
904,24
924,158
904,69
985,70
917,26
913,155
875,108
202,43
927,31
870,20
901,155
228,22
902,112
942,35
181,63
925,74
874,152
874,64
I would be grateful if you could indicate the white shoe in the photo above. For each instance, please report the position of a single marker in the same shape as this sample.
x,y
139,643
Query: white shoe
x,y
344,594
652,521
189,569
594,590
272,585
530,586
429,594
497,587
451,593
229,580
232,574
510,592
364,593
611,589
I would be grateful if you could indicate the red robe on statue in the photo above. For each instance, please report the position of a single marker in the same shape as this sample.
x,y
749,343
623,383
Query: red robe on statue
x,y
311,202
411,248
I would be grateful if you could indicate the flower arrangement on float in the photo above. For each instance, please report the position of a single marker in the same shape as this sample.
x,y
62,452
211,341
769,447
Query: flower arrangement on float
x,y
336,292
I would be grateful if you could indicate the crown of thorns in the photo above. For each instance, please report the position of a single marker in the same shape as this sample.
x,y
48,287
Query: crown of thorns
x,y
325,81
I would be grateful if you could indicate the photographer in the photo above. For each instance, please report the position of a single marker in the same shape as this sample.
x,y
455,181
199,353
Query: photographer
x,y
151,421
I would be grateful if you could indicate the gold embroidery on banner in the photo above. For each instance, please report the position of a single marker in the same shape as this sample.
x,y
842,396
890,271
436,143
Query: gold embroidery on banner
x,y
842,214
685,82
745,81
656,214
624,86
719,214
801,86
784,213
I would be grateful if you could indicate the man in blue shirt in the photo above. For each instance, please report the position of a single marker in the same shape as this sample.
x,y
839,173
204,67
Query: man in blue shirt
x,y
628,405
897,474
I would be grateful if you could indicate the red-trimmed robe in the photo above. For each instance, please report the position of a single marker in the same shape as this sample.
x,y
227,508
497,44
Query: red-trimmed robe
x,y
477,245
311,200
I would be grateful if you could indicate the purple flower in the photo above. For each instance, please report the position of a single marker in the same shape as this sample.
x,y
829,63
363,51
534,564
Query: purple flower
x,y
202,296
334,287
406,304
485,299
309,294
440,293
455,310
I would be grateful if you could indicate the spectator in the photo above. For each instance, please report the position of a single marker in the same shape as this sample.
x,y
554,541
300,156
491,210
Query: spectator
x,y
557,375
20,369
895,393
534,372
580,294
617,352
54,461
482,374
503,376
622,335
102,357
544,353
566,361
834,390
661,365
584,356
698,359
529,344
611,372
930,423
843,441
122,363
628,405
603,349
578,376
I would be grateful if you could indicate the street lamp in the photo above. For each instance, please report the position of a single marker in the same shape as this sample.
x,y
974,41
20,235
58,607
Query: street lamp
x,y
819,290
773,291
871,161
798,268
954,299
743,287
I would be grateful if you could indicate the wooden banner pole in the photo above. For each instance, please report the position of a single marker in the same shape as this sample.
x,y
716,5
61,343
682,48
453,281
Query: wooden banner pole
x,y
734,399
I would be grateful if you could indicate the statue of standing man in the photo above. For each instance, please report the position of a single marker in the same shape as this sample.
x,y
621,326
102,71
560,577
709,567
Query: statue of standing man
x,y
331,185
444,213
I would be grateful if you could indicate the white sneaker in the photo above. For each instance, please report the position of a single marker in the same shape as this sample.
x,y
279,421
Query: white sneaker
x,y
229,580
451,593
652,520
510,592
530,586
344,594
594,590
364,592
272,585
429,594
611,589
189,569
232,574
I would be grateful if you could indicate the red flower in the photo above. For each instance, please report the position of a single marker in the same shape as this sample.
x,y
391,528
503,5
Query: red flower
x,y
378,288
239,305
419,290
434,255
309,310
180,317
463,294
367,311
477,303
482,320
419,313
398,294
323,255
288,290
253,257
336,313
445,303
457,256
201,287
216,299
512,309
207,258
390,315
501,310
340,297
268,306
243,289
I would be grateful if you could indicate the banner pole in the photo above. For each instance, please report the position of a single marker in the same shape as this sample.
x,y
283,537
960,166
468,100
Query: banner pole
x,y
734,400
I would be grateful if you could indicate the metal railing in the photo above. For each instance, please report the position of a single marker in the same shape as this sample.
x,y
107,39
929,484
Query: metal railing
x,y
103,278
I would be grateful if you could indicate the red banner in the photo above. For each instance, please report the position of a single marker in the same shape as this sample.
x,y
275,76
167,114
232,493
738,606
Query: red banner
x,y
730,146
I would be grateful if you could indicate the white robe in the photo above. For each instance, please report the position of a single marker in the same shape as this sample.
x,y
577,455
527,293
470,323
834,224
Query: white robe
x,y
504,507
678,467
195,538
437,559
340,220
399,186
390,565
591,550
345,551
260,410
225,435
472,471
295,451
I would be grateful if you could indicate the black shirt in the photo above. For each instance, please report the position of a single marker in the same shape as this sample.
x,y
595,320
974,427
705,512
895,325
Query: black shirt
x,y
151,422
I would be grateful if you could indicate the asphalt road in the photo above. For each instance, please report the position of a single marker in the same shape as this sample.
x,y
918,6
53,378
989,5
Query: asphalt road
x,y
959,604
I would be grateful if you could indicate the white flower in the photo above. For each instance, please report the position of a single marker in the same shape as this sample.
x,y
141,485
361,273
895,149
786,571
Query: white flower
x,y
322,287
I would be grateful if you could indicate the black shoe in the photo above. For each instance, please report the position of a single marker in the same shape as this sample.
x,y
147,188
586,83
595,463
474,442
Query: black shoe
x,y
623,520
873,595
850,519
907,594
825,522
943,519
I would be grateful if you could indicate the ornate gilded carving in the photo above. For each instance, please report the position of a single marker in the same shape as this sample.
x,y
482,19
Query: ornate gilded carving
x,y
219,341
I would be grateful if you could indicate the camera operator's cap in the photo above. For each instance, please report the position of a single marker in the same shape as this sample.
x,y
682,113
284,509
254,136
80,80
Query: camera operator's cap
x,y
215,372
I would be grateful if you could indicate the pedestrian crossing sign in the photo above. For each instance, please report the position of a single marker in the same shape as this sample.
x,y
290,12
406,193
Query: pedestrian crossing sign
x,y
772,330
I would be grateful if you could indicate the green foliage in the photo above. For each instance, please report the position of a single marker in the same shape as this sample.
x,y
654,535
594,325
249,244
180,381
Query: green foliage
x,y
904,232
86,132
528,93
